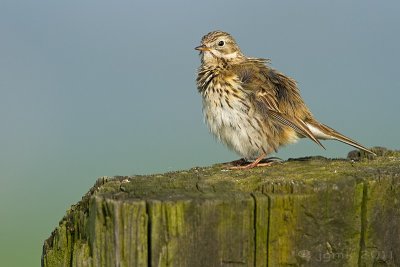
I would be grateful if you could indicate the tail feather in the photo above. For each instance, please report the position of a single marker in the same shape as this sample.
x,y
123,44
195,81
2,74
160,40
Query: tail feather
x,y
322,131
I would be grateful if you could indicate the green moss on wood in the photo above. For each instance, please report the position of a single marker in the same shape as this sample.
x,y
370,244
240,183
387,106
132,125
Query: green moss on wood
x,y
303,212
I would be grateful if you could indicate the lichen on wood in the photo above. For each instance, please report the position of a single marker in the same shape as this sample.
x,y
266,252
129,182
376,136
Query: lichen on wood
x,y
303,212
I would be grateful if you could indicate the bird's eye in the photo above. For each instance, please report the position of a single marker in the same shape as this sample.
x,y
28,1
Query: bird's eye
x,y
221,43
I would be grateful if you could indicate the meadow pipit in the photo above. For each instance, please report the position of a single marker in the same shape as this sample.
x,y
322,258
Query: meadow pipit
x,y
250,107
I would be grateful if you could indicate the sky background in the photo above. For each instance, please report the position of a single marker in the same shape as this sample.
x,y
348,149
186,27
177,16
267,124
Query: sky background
x,y
104,88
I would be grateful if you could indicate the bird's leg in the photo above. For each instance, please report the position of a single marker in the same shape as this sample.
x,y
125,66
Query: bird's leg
x,y
252,164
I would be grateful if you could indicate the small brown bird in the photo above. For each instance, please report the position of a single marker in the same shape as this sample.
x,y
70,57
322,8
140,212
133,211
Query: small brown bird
x,y
250,107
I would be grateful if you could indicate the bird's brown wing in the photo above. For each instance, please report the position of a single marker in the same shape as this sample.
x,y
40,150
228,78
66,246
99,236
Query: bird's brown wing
x,y
276,96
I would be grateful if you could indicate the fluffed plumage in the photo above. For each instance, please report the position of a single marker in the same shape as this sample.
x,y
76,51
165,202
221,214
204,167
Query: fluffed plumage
x,y
249,106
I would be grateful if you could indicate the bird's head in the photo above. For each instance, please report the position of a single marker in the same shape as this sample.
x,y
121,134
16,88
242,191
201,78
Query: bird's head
x,y
216,46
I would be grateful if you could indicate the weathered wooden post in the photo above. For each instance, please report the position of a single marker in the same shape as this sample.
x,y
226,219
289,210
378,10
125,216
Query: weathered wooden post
x,y
304,212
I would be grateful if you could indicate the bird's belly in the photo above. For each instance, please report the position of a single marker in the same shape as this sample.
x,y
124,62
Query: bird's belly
x,y
235,126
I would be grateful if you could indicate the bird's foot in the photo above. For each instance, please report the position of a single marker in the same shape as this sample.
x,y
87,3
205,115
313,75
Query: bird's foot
x,y
243,164
245,167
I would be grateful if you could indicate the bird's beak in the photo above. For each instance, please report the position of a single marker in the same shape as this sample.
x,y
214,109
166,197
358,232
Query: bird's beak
x,y
202,48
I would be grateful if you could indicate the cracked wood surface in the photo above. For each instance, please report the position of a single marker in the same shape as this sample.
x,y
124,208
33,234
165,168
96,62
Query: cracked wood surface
x,y
303,212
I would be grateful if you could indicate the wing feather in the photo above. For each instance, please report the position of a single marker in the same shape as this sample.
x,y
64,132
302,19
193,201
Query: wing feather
x,y
267,89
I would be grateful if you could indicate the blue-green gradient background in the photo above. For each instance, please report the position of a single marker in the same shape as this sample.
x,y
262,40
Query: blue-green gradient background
x,y
93,88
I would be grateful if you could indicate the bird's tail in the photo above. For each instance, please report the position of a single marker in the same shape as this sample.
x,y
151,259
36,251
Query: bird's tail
x,y
321,131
